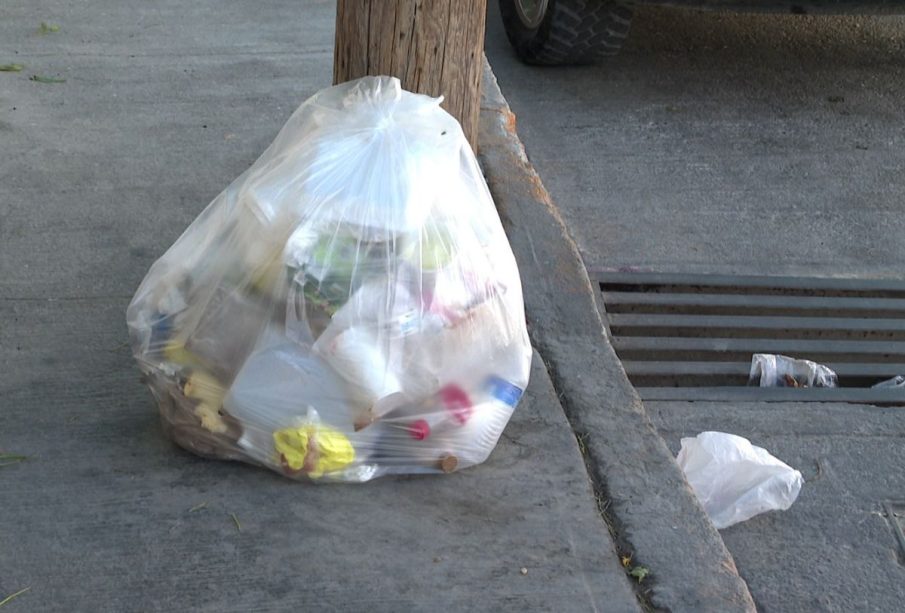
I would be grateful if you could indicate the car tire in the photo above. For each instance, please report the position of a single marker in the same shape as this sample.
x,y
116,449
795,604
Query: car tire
x,y
565,31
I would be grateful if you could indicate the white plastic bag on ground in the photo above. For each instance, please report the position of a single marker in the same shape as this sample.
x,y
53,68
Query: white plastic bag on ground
x,y
348,307
734,480
769,370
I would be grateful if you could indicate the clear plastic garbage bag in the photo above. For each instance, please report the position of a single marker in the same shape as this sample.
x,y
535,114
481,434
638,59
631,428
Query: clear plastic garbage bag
x,y
735,480
348,307
769,370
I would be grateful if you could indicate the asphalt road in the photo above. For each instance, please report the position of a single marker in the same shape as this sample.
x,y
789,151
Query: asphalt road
x,y
749,144
725,142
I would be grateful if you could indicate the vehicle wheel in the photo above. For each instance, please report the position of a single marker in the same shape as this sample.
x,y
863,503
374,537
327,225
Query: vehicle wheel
x,y
554,32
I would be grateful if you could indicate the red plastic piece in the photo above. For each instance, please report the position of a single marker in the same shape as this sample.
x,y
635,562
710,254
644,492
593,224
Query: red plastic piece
x,y
456,402
419,430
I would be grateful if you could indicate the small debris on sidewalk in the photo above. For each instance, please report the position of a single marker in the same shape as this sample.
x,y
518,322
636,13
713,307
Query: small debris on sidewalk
x,y
523,571
11,458
41,79
11,67
13,596
120,347
236,521
48,28
198,507
639,572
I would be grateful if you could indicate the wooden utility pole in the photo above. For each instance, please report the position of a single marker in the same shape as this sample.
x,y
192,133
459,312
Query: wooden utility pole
x,y
435,47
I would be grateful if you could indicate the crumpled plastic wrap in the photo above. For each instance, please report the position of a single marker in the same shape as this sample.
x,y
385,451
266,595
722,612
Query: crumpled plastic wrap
x,y
897,382
769,370
348,307
735,480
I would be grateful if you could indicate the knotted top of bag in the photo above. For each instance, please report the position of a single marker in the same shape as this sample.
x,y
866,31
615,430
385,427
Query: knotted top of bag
x,y
365,156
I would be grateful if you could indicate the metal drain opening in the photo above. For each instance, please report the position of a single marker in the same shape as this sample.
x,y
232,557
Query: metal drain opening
x,y
691,337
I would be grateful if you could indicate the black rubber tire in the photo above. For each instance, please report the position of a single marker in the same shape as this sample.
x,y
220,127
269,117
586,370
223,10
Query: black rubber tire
x,y
572,31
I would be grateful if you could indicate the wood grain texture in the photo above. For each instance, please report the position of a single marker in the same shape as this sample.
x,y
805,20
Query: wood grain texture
x,y
381,30
352,20
433,46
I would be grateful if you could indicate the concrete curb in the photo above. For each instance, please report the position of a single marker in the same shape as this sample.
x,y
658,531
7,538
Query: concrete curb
x,y
652,513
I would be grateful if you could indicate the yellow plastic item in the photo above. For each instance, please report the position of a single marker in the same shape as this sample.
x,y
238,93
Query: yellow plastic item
x,y
175,351
210,418
201,386
333,450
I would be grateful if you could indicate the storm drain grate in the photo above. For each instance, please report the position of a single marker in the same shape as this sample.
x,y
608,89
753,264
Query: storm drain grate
x,y
691,337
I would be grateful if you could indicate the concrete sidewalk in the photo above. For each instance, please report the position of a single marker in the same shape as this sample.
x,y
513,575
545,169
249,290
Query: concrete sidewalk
x,y
160,109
